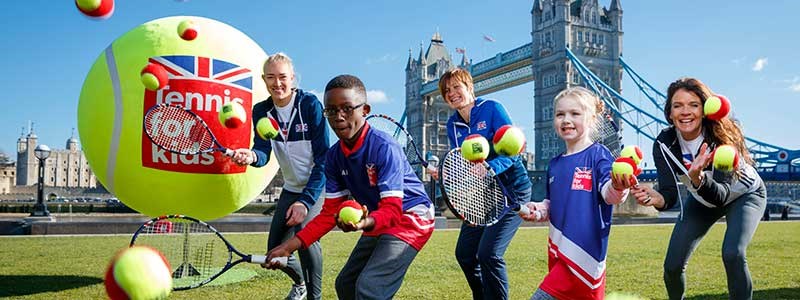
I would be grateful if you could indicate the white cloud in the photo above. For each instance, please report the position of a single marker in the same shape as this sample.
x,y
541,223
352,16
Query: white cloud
x,y
377,96
373,96
385,58
794,84
760,64
320,95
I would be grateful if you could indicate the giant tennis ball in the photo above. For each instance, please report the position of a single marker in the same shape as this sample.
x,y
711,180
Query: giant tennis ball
x,y
725,158
475,148
508,140
267,128
350,211
716,107
218,67
232,115
634,152
101,9
138,272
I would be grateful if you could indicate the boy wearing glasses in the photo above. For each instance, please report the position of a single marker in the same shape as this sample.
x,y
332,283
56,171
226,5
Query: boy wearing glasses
x,y
300,149
369,166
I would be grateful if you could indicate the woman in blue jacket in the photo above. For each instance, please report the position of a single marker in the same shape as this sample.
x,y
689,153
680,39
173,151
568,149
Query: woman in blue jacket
x,y
480,250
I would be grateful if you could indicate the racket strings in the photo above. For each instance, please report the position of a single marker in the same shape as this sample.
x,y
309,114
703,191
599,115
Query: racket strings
x,y
193,250
471,190
607,133
398,134
175,129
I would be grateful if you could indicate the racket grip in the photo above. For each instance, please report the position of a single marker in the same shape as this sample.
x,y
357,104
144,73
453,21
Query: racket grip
x,y
523,210
229,152
282,261
258,259
262,259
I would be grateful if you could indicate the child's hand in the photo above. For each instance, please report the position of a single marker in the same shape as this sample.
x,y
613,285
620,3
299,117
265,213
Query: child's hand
x,y
622,182
539,211
366,222
433,172
283,250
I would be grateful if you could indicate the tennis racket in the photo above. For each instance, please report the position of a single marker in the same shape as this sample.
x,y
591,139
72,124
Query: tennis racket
x,y
473,192
395,129
607,133
180,131
196,252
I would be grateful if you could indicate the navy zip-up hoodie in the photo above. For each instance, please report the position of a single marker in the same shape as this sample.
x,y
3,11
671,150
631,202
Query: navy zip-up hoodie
x,y
300,151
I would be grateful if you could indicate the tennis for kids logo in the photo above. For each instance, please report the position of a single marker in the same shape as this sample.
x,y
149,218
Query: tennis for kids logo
x,y
582,179
203,85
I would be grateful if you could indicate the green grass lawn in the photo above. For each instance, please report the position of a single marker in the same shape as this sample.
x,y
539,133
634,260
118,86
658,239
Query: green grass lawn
x,y
53,267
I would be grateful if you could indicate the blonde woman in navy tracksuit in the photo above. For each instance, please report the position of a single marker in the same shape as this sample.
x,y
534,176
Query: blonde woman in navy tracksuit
x,y
300,149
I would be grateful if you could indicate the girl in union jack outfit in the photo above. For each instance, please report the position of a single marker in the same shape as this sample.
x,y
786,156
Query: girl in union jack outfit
x,y
580,194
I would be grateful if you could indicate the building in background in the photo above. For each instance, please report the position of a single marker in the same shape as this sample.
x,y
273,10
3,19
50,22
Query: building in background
x,y
8,173
63,168
426,118
594,33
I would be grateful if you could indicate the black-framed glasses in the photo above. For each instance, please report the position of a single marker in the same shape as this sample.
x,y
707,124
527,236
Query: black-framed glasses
x,y
332,112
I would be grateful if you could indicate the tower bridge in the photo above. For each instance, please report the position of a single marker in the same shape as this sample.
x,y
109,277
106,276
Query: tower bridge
x,y
573,42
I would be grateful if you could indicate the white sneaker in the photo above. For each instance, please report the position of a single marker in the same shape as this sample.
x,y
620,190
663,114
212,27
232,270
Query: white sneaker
x,y
298,292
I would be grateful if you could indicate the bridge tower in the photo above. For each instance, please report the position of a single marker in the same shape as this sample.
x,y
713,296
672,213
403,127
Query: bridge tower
x,y
594,34
427,116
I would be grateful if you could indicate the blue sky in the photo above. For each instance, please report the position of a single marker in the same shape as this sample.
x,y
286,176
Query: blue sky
x,y
742,49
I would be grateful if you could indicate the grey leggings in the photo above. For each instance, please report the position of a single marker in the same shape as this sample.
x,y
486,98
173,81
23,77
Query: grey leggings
x,y
742,217
309,269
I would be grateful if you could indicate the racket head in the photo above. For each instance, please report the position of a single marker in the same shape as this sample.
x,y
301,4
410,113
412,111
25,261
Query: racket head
x,y
471,190
389,125
607,133
179,130
197,253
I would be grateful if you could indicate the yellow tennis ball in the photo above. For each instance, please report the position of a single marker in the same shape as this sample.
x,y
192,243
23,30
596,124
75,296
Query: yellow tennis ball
x,y
220,66
138,273
154,77
716,107
634,152
350,212
100,9
725,158
232,115
267,128
623,166
475,148
508,140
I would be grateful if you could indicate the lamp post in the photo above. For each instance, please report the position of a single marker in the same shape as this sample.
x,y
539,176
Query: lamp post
x,y
39,209
433,162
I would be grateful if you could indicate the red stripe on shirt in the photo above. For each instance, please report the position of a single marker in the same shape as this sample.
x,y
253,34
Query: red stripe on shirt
x,y
359,142
322,223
